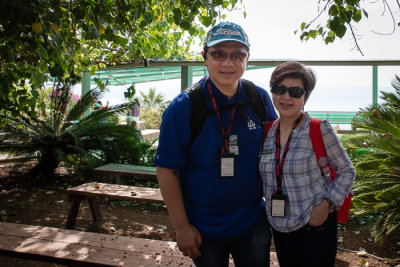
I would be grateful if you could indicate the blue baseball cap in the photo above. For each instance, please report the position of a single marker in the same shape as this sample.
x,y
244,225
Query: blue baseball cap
x,y
226,31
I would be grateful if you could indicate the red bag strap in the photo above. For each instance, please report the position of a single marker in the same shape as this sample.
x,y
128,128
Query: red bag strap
x,y
267,126
316,139
319,147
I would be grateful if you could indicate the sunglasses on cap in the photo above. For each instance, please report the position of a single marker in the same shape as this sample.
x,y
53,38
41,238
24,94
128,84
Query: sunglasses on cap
x,y
295,92
219,55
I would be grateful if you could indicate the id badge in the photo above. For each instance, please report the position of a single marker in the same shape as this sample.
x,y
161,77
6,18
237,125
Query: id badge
x,y
266,153
227,165
278,205
233,144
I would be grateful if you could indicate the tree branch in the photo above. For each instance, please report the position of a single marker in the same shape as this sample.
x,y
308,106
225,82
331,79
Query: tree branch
x,y
355,40
393,19
320,13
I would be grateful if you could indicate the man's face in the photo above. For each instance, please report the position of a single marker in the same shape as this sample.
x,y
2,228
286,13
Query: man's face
x,y
225,73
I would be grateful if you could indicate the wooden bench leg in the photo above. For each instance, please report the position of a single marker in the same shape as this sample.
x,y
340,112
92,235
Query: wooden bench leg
x,y
73,211
94,209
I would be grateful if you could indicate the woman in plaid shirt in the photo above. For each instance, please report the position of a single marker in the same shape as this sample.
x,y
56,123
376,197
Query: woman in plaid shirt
x,y
300,203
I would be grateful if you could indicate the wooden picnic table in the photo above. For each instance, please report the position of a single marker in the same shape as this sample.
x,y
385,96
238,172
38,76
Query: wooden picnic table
x,y
92,191
114,170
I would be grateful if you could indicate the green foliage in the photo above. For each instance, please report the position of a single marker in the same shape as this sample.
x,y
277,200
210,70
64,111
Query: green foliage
x,y
152,117
58,40
342,15
377,160
153,100
60,133
152,108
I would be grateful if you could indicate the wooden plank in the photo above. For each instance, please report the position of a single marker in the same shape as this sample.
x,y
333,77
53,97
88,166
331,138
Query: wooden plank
x,y
92,249
114,168
69,246
117,191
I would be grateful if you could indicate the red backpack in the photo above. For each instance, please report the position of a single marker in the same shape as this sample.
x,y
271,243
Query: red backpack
x,y
326,168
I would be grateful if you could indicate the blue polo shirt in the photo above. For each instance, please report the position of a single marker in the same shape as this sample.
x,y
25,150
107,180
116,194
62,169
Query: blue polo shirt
x,y
217,207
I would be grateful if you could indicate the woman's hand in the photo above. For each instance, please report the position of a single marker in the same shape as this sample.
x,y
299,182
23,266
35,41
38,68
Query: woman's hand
x,y
319,213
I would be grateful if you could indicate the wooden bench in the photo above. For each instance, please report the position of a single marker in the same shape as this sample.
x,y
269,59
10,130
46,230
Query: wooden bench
x,y
76,248
92,191
114,170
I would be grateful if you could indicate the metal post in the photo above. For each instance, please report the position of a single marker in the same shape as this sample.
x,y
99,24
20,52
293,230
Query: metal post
x,y
186,77
85,88
374,85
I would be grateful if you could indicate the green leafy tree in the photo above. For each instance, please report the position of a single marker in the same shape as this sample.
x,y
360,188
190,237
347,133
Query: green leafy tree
x,y
341,17
59,133
377,187
152,106
40,40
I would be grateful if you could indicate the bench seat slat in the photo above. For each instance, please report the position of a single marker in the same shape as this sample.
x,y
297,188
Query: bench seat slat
x,y
117,191
69,246
115,168
85,238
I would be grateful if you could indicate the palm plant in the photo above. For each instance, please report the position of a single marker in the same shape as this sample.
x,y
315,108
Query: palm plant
x,y
377,187
152,108
60,132
153,100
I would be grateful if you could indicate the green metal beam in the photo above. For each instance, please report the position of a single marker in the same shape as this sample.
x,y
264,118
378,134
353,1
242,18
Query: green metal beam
x,y
85,88
374,84
186,77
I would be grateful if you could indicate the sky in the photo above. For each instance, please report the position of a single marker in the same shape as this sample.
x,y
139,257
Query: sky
x,y
270,26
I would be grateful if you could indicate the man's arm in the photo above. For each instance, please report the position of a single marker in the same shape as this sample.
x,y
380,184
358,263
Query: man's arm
x,y
187,236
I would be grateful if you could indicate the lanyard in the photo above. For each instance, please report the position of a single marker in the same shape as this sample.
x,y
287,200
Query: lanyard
x,y
279,165
225,134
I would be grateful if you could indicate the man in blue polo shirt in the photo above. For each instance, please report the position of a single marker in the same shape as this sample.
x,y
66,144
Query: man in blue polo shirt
x,y
211,184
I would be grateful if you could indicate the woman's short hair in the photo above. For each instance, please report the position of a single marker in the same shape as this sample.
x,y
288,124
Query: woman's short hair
x,y
293,69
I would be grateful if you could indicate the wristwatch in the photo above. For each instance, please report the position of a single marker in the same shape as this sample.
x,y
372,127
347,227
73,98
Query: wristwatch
x,y
332,206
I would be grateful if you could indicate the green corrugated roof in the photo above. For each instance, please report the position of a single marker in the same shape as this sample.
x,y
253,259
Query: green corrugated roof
x,y
148,74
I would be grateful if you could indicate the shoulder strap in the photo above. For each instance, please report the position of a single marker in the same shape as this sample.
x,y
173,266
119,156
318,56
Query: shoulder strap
x,y
267,126
199,105
198,112
319,148
254,99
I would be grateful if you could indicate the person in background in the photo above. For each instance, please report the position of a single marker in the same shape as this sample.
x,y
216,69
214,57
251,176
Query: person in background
x,y
217,213
136,112
300,203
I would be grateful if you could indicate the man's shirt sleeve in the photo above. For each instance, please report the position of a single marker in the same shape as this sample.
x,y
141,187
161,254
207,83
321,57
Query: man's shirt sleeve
x,y
175,134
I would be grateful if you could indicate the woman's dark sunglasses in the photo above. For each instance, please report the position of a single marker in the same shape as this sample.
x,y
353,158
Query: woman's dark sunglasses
x,y
295,92
219,55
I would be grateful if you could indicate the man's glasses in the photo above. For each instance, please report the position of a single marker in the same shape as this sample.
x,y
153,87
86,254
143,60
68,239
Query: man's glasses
x,y
295,92
219,55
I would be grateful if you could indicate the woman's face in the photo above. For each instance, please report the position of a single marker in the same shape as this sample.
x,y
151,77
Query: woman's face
x,y
287,106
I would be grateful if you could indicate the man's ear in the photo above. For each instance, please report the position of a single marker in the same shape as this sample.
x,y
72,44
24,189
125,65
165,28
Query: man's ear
x,y
203,55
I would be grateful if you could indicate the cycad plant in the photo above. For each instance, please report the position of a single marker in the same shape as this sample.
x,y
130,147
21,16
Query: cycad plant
x,y
377,187
60,133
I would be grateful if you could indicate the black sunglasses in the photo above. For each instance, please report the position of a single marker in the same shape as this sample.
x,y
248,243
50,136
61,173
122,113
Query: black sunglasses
x,y
219,55
295,92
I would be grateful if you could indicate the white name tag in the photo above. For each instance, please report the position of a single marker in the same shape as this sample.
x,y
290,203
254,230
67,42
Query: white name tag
x,y
278,205
227,165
